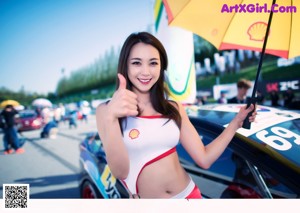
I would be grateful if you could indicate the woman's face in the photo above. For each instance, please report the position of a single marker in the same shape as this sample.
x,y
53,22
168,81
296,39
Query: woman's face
x,y
143,67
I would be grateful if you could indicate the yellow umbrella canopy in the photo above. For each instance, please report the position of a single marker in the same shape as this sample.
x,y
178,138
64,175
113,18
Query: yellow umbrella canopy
x,y
267,26
14,103
241,24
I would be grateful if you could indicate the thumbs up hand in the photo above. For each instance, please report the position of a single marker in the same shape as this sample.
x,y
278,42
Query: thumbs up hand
x,y
124,102
122,82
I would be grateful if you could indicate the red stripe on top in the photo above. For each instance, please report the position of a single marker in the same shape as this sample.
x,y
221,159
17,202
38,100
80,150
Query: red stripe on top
x,y
152,116
165,154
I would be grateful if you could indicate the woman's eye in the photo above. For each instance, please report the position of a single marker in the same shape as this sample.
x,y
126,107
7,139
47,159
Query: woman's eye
x,y
136,62
154,63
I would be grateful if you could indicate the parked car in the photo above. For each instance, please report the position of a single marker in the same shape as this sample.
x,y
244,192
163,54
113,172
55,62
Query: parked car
x,y
29,120
262,162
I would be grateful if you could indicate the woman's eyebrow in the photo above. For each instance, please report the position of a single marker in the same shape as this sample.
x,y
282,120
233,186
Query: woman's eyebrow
x,y
135,59
151,59
154,59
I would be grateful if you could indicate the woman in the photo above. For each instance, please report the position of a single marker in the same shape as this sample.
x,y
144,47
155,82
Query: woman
x,y
140,127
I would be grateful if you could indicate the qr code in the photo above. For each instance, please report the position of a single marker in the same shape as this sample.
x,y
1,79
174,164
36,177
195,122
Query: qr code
x,y
15,195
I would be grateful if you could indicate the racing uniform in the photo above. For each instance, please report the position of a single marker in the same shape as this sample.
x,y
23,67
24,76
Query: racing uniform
x,y
149,139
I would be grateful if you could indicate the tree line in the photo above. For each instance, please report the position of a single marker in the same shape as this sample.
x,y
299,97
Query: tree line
x,y
98,76
91,77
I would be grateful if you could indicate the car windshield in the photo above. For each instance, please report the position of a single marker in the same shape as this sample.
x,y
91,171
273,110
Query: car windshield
x,y
248,177
27,114
231,176
277,189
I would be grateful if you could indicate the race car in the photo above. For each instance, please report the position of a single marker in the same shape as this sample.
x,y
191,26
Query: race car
x,y
97,180
260,162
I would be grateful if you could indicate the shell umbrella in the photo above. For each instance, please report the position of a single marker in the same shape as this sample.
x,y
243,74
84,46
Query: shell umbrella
x,y
242,24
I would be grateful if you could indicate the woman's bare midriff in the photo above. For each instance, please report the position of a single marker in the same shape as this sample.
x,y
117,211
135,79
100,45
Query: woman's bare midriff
x,y
164,178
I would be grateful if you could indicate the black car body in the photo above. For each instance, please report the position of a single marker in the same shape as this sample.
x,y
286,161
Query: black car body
x,y
97,180
262,162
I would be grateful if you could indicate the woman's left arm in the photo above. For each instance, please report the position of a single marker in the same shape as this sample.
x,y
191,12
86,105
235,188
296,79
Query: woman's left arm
x,y
205,156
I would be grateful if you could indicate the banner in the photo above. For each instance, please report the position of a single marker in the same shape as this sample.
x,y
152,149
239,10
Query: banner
x,y
179,44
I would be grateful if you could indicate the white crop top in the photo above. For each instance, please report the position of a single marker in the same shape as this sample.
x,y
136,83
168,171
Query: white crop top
x,y
148,139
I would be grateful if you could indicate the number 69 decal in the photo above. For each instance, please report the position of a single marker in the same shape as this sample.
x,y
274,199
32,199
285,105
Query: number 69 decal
x,y
277,138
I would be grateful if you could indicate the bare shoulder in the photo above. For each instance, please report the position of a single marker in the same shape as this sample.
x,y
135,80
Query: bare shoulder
x,y
174,103
101,108
177,105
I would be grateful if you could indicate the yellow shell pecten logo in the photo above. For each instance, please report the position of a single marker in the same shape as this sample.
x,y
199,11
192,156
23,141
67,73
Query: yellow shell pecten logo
x,y
134,133
257,31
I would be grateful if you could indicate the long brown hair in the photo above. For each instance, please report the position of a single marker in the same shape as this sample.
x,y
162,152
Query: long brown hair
x,y
158,93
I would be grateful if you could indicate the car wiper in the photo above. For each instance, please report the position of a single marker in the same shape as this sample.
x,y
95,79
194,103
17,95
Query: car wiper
x,y
259,180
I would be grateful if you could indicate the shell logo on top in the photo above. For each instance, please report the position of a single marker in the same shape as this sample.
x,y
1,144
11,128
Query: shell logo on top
x,y
134,133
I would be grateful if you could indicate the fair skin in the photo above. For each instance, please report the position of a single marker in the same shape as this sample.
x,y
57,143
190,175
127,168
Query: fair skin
x,y
164,178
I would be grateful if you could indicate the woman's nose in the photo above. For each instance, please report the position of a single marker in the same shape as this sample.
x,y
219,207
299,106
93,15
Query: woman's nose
x,y
145,70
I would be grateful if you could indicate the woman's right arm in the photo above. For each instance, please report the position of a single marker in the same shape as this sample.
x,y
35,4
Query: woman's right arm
x,y
122,104
111,137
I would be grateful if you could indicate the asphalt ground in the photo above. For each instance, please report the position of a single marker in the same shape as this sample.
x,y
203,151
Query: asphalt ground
x,y
49,166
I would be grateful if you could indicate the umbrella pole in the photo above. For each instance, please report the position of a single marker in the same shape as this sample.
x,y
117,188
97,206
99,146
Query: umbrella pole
x,y
247,124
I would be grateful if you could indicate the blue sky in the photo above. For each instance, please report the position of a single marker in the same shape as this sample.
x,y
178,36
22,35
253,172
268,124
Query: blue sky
x,y
40,37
